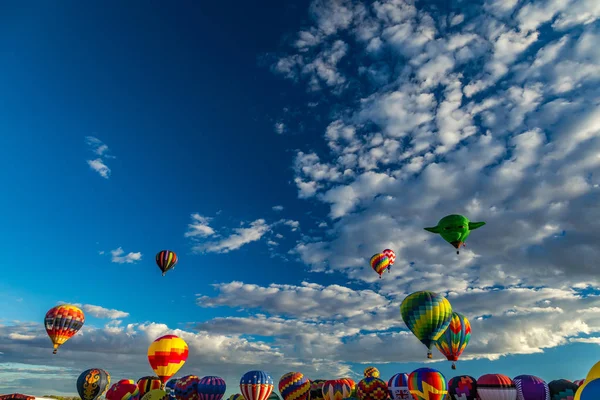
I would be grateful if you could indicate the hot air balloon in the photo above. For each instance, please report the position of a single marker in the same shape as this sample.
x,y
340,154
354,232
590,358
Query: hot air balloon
x,y
211,388
236,396
398,387
590,390
455,339
594,372
352,385
379,263
427,384
455,229
531,387
148,383
462,387
62,323
187,388
427,315
336,389
166,356
294,386
562,389
256,385
391,255
496,387
371,372
371,388
579,382
155,394
93,383
166,260
316,389
170,388
125,389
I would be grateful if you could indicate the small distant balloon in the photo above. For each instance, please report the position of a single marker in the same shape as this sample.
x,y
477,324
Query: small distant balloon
x,y
62,323
166,260
379,262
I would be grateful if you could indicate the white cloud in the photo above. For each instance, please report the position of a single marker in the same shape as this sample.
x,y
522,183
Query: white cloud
x,y
100,150
277,208
119,256
280,128
239,238
99,311
199,227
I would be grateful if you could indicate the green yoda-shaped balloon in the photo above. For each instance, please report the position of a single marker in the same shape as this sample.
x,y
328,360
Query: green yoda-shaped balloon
x,y
455,229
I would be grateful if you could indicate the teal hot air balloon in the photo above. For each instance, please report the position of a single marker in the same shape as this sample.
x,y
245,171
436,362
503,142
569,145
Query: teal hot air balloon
x,y
92,383
427,315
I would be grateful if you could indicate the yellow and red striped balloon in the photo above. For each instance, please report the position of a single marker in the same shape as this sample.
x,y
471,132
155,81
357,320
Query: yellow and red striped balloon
x,y
336,389
166,356
294,386
148,383
62,323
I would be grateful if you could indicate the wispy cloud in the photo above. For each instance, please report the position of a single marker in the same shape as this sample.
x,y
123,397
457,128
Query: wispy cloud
x,y
239,238
119,256
101,151
199,227
278,208
99,311
280,128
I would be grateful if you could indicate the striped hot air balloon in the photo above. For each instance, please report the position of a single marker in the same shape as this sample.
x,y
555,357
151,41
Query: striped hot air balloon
x,y
371,388
398,387
462,387
455,339
170,388
211,388
93,383
379,262
294,386
166,260
427,384
352,385
256,385
336,389
62,323
389,253
148,383
427,315
187,388
166,356
496,387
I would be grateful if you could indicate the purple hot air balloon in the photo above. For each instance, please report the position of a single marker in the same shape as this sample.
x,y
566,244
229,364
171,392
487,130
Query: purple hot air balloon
x,y
531,387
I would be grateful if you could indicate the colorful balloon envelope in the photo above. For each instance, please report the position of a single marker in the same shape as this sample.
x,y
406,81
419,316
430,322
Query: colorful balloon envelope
x,y
391,255
496,387
455,229
125,389
562,389
455,339
398,387
579,382
379,262
336,389
148,383
170,388
155,394
427,315
371,388
62,323
166,260
352,385
294,386
187,388
316,389
166,356
211,388
256,385
427,384
93,383
462,387
371,372
531,387
590,390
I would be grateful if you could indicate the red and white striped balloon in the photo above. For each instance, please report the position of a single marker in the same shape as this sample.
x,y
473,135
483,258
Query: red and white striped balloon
x,y
389,253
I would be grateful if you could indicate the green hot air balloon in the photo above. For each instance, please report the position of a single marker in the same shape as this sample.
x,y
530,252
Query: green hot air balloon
x,y
427,315
455,229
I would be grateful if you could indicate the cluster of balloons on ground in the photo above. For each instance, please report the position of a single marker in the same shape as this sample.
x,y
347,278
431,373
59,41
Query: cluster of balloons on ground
x,y
421,384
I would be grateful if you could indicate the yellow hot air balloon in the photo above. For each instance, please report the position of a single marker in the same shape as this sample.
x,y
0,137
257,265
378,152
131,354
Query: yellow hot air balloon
x,y
166,356
594,372
62,323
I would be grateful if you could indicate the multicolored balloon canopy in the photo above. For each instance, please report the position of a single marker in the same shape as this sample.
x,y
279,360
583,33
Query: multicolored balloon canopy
x,y
166,356
256,385
62,323
294,386
427,384
455,339
371,388
398,387
211,388
462,387
93,383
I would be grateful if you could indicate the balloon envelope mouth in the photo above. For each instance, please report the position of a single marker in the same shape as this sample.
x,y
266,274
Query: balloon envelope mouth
x,y
456,244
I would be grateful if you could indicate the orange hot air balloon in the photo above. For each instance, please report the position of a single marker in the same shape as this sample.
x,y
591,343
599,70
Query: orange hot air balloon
x,y
166,356
62,323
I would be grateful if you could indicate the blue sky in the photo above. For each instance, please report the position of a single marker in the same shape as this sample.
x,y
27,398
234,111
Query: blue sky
x,y
275,149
